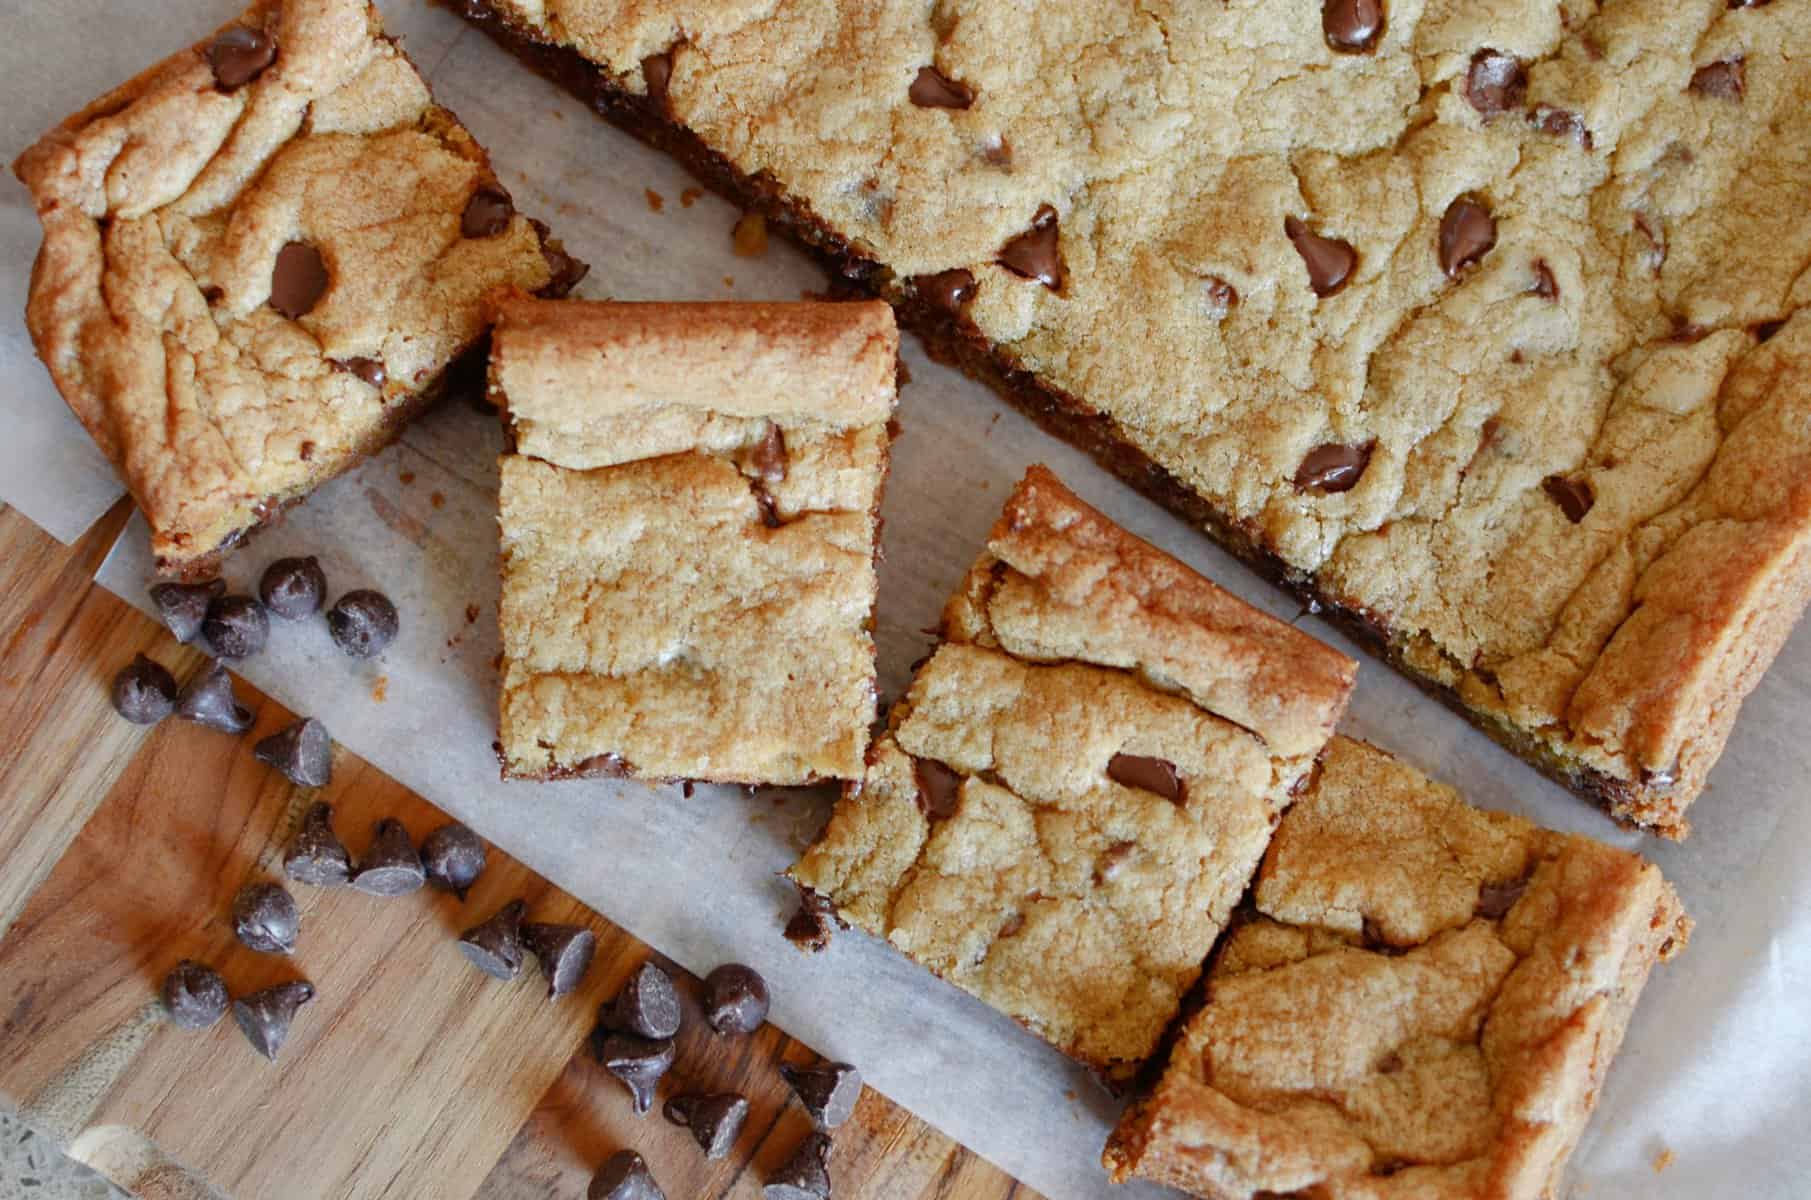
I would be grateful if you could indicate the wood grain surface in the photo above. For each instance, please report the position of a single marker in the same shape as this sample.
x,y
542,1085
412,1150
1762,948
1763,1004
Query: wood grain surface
x,y
411,1074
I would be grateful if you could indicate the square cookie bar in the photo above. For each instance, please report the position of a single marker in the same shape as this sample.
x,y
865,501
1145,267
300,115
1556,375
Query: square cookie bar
x,y
690,523
1420,999
1486,329
1074,792
260,257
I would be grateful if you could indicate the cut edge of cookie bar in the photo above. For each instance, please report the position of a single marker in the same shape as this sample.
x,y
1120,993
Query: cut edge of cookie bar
x,y
69,172
1403,952
1097,726
1689,707
587,390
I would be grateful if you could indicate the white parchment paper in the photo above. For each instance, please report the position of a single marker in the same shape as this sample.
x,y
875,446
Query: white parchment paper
x,y
1717,1066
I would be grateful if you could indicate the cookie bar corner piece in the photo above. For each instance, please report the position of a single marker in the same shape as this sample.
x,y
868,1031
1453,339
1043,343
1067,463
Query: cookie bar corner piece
x,y
1078,784
689,521
1420,998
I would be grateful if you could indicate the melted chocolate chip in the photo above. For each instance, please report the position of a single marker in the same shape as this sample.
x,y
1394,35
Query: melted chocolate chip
x,y
495,946
804,1176
371,370
292,587
1496,899
1113,861
144,692
298,281
564,271
769,458
1574,496
1545,285
1222,297
637,1062
828,1092
238,55
1333,468
657,74
265,1017
391,867
453,857
302,752
931,88
265,918
646,1006
362,623
810,927
948,290
1561,123
624,1176
1036,254
315,855
236,627
1764,330
604,766
715,1119
194,995
1330,261
1495,83
1352,26
1467,233
487,213
1726,80
564,952
939,788
735,999
183,606
1148,774
207,699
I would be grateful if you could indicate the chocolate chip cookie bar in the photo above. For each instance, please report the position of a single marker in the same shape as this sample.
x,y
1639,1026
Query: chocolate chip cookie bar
x,y
1419,999
689,522
1484,331
1073,794
260,257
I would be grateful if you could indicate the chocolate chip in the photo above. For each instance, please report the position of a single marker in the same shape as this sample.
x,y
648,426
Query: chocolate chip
x,y
1333,467
1496,899
265,918
1749,3
604,766
495,946
735,999
298,281
1113,861
302,752
238,55
1352,26
804,1176
646,1006
144,692
1764,330
564,271
362,622
1467,233
194,995
769,458
315,855
1495,83
391,867
264,1017
1655,255
1147,773
931,88
1329,261
657,74
564,952
1726,80
939,788
1222,297
624,1176
715,1119
1574,496
828,1092
207,699
948,290
236,626
487,213
453,857
1545,285
371,370
293,587
1561,123
183,606
1035,254
637,1062
810,927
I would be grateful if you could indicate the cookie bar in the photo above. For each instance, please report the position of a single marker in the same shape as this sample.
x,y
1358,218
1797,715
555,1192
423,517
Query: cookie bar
x,y
689,522
1485,332
1073,794
1420,999
260,257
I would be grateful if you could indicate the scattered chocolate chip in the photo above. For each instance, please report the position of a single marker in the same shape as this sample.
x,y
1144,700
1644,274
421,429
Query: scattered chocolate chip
x,y
769,459
236,626
1330,261
715,1119
564,271
1333,468
1222,297
487,213
1467,233
194,995
931,88
265,1016
144,692
828,1092
293,587
810,927
1352,26
948,290
1147,773
1574,496
265,918
1495,83
1545,285
1010,927
213,295
315,855
391,867
371,370
495,946
624,1176
362,622
735,999
657,74
302,752
1036,254
1112,861
646,1006
1764,330
1561,123
207,699
637,1062
1726,80
804,1176
238,55
564,952
1496,899
298,280
939,788
183,606
453,857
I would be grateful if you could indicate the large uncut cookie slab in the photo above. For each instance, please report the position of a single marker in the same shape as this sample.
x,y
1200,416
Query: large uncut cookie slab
x,y
1484,329
1073,794
689,524
1421,999
259,259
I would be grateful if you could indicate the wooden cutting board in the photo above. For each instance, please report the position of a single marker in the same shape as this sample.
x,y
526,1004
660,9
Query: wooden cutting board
x,y
411,1074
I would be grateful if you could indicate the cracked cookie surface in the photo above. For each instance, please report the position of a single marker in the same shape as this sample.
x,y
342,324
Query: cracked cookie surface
x,y
1075,790
1421,1000
689,528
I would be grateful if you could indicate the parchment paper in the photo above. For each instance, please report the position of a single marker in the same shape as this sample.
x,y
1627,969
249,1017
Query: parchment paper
x,y
1717,1065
